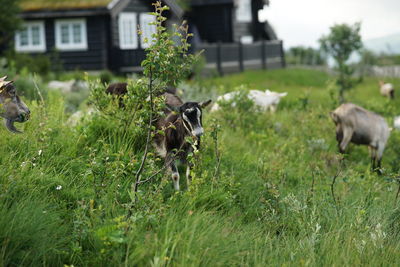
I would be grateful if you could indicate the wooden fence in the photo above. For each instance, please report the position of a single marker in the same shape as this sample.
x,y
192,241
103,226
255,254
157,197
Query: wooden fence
x,y
237,57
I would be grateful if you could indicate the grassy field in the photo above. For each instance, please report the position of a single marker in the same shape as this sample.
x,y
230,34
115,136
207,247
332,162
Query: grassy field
x,y
65,191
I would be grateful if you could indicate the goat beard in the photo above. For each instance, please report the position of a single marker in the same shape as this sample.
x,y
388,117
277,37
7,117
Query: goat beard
x,y
10,126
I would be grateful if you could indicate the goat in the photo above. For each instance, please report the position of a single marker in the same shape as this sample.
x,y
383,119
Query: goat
x,y
13,109
181,120
360,126
386,89
397,122
267,100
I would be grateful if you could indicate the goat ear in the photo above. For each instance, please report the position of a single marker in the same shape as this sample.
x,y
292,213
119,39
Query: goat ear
x,y
205,103
2,79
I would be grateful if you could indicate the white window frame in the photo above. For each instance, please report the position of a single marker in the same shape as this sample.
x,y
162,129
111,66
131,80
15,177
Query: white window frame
x,y
243,11
147,30
71,46
41,47
124,43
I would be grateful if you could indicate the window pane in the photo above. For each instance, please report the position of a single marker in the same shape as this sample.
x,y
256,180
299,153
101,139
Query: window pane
x,y
64,34
130,32
147,29
126,27
127,31
77,33
35,35
23,37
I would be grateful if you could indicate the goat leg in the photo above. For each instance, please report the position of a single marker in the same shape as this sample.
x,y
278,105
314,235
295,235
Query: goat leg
x,y
170,161
188,174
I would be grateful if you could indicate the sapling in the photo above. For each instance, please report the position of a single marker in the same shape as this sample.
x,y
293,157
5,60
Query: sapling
x,y
342,41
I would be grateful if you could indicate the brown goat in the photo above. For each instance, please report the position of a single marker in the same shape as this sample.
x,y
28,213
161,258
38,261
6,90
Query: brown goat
x,y
12,108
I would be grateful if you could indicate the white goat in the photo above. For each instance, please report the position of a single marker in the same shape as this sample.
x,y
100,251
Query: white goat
x,y
397,122
386,89
267,100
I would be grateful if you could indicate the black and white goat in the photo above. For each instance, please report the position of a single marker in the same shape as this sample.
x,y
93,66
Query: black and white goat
x,y
181,120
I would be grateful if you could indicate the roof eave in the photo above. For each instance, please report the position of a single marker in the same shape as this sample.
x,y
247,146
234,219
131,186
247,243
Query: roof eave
x,y
51,13
113,8
175,8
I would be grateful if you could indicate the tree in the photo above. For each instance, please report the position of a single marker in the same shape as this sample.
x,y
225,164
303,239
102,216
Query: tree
x,y
340,43
368,60
305,56
9,21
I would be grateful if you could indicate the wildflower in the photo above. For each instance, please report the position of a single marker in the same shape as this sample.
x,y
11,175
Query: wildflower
x,y
40,152
58,187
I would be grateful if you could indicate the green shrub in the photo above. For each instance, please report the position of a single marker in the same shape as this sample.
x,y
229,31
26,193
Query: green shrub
x,y
106,77
39,64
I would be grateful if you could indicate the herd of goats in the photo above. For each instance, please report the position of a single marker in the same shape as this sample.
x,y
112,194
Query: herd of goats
x,y
184,119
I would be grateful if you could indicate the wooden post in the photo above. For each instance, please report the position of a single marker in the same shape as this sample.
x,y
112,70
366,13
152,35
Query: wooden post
x,y
263,55
241,65
219,61
282,55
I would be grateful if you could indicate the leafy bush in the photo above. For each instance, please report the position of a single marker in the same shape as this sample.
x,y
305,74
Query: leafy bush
x,y
39,64
106,77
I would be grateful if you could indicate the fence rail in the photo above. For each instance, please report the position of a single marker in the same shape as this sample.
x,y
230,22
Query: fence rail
x,y
220,57
236,57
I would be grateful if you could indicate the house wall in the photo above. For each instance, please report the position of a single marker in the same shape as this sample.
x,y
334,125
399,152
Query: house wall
x,y
241,29
213,22
95,57
123,60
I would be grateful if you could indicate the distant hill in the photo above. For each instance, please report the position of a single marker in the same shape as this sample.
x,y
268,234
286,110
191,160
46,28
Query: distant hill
x,y
388,44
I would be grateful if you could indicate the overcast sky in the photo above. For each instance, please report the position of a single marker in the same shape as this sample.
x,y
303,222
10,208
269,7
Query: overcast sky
x,y
302,22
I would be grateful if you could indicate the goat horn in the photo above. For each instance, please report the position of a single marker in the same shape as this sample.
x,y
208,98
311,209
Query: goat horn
x,y
10,126
4,83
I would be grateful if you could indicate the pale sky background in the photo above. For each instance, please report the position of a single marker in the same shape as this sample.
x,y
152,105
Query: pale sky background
x,y
302,22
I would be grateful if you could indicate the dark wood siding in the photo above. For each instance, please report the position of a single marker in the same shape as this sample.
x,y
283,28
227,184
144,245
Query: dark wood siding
x,y
214,23
95,57
127,59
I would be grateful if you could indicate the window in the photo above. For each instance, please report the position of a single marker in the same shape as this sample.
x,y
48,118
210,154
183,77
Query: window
x,y
147,30
71,34
243,11
31,37
128,38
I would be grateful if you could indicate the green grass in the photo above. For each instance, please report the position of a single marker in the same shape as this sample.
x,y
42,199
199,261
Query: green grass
x,y
269,204
27,5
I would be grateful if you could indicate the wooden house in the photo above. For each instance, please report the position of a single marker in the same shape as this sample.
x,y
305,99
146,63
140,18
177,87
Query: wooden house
x,y
89,34
232,36
229,21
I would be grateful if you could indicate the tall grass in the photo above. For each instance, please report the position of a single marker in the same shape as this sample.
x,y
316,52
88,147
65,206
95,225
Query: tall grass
x,y
65,193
